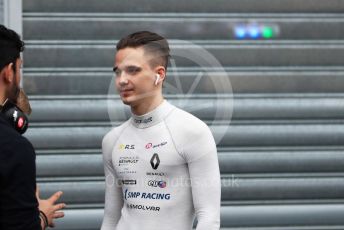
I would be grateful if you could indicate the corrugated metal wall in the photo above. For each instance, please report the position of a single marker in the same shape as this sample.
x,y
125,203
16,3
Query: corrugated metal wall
x,y
1,12
282,160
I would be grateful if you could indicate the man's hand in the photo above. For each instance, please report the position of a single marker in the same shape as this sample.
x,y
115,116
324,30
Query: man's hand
x,y
49,208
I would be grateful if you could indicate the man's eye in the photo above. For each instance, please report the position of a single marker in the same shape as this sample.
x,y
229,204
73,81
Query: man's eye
x,y
133,70
117,72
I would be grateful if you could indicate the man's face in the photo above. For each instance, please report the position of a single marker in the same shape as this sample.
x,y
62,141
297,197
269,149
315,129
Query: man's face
x,y
13,87
134,76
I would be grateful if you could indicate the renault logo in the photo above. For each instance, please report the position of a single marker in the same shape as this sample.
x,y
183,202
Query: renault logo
x,y
155,161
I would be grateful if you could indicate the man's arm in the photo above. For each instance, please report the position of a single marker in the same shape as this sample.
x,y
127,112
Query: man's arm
x,y
20,201
205,179
19,207
113,191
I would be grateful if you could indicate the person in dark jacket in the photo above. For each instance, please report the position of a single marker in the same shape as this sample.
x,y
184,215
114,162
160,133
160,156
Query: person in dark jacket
x,y
20,205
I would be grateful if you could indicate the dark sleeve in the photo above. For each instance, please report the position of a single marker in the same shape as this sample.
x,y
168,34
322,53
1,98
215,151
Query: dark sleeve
x,y
19,206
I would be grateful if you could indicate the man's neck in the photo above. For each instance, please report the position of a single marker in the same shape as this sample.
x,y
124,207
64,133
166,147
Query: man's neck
x,y
147,106
2,97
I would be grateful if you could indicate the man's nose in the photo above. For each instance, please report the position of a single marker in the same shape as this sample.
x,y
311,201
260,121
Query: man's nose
x,y
123,80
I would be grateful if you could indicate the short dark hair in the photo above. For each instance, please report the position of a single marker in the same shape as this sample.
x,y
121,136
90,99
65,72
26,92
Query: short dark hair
x,y
151,42
10,46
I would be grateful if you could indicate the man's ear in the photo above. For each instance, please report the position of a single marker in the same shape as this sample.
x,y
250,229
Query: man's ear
x,y
8,73
161,71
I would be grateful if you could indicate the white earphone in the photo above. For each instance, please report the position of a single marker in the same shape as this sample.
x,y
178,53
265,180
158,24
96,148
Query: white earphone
x,y
157,79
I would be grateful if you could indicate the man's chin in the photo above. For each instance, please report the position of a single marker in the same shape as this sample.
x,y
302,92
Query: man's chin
x,y
127,101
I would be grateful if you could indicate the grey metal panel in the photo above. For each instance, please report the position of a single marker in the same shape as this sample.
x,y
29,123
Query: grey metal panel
x,y
279,161
282,215
324,227
234,188
75,110
88,219
237,216
234,135
231,162
244,108
60,138
1,11
77,54
85,193
298,107
280,135
184,6
271,80
176,26
76,165
282,189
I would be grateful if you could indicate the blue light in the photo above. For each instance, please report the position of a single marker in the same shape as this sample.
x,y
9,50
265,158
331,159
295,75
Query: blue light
x,y
240,32
254,32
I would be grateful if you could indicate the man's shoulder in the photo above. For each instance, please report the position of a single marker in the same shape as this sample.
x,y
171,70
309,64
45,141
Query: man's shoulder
x,y
192,137
116,131
9,135
112,136
185,128
185,121
11,142
6,131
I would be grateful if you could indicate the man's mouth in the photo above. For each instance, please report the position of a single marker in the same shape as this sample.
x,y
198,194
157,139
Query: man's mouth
x,y
125,92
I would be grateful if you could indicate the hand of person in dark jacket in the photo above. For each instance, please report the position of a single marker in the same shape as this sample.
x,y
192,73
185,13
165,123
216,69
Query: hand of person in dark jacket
x,y
50,208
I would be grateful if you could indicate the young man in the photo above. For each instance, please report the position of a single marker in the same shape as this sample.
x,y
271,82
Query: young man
x,y
20,206
161,165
